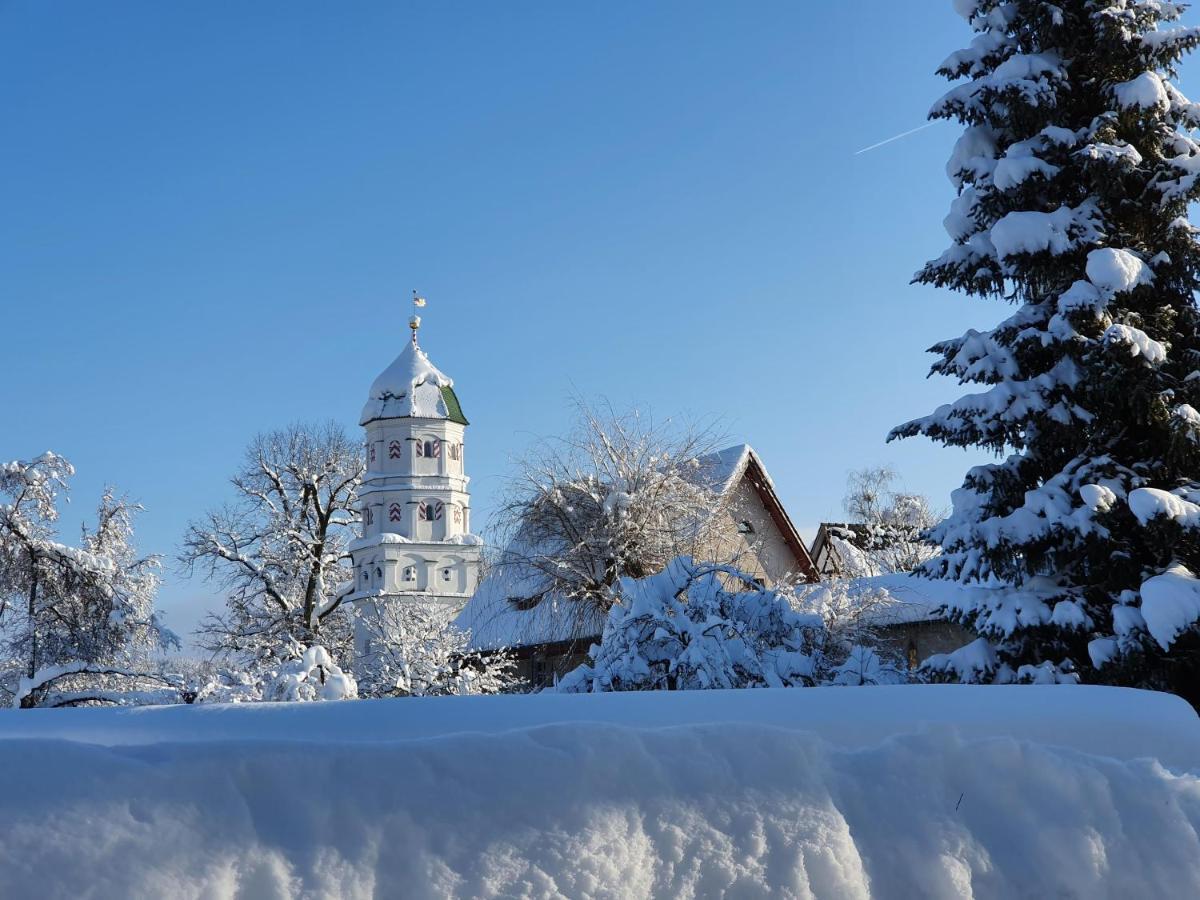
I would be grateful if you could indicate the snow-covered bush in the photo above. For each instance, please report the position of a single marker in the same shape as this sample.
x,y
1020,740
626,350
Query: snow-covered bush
x,y
852,645
313,676
978,662
415,650
1074,173
864,666
700,626
94,684
294,673
227,685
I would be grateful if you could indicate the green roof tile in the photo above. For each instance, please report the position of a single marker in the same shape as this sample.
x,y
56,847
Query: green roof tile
x,y
453,407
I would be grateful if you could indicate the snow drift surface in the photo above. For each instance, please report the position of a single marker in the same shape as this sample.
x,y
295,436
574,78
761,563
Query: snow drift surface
x,y
755,793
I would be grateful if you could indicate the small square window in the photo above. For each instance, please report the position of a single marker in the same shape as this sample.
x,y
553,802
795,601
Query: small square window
x,y
744,527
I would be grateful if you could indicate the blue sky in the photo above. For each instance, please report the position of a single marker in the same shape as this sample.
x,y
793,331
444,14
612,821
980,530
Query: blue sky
x,y
214,213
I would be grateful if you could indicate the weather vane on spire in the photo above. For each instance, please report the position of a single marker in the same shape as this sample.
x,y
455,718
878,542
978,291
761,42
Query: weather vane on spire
x,y
415,322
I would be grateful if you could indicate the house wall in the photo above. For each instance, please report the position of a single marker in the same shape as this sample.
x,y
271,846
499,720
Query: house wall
x,y
541,666
825,556
764,553
915,642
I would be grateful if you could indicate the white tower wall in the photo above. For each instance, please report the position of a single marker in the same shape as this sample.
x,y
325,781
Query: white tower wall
x,y
416,541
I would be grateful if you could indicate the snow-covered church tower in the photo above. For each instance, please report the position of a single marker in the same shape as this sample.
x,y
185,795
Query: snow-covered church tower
x,y
416,510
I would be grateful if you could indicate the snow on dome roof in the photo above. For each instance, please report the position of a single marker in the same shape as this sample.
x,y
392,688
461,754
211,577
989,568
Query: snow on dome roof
x,y
414,387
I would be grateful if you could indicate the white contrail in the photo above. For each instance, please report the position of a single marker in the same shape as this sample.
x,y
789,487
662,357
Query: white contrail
x,y
896,137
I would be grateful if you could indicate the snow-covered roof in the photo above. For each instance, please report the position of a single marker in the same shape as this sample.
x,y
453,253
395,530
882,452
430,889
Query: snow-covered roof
x,y
897,599
720,470
497,615
906,598
414,387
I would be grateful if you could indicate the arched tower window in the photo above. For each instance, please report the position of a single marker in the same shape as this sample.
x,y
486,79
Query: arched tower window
x,y
395,449
430,510
395,512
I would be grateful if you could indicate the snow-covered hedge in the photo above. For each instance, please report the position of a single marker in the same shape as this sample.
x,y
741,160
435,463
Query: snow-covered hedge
x,y
821,792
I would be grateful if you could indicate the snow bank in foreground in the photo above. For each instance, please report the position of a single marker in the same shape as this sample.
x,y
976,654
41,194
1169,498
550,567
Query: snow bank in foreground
x,y
294,801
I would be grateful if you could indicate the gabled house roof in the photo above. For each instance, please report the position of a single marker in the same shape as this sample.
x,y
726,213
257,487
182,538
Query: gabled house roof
x,y
838,549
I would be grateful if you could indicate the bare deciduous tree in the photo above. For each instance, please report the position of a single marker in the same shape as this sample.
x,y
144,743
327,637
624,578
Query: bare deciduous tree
x,y
278,549
618,497
894,521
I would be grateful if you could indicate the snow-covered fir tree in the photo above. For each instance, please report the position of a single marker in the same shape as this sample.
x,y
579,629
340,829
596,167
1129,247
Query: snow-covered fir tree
x,y
1074,173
